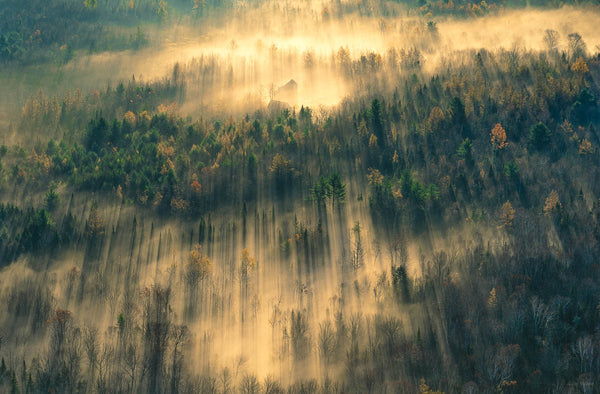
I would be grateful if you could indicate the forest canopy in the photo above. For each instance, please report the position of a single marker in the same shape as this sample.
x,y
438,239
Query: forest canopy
x,y
417,213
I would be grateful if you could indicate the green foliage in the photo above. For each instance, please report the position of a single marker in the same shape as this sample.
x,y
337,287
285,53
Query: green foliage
x,y
465,150
91,3
528,337
539,136
400,283
51,200
511,170
36,31
376,119
330,187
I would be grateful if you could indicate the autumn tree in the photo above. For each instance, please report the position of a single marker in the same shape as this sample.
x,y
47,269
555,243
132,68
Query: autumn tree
x,y
552,203
580,66
498,137
198,267
282,169
247,263
94,227
585,147
506,214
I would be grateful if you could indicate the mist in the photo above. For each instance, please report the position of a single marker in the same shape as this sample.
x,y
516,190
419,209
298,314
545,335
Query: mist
x,y
305,197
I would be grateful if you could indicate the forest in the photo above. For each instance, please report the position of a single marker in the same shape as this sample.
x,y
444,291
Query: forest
x,y
299,197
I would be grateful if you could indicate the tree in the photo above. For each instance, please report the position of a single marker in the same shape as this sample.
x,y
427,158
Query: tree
x,y
400,283
551,40
539,136
376,118
198,267
247,264
358,255
299,335
282,169
94,227
51,199
281,166
457,111
39,232
577,47
465,151
338,188
585,147
498,137
580,66
97,134
506,214
552,203
321,190
156,334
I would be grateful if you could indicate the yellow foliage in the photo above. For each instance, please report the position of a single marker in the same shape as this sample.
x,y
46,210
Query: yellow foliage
x,y
198,266
425,389
372,141
506,215
280,165
362,129
585,147
580,66
436,117
552,203
248,263
157,199
129,117
374,177
167,166
492,301
120,192
164,149
43,161
566,127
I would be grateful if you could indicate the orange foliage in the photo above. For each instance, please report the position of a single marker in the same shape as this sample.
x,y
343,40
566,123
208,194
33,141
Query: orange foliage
x,y
179,204
196,187
499,137
552,203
